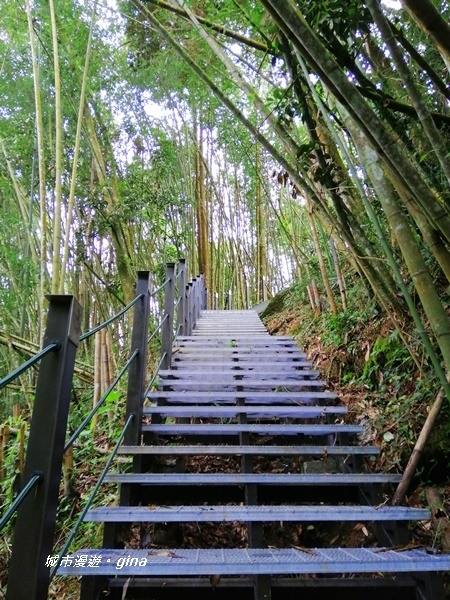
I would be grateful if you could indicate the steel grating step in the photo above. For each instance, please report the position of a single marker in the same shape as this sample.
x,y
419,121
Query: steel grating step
x,y
198,397
243,367
252,478
251,561
303,383
225,348
234,429
249,357
253,411
234,341
233,373
253,514
231,450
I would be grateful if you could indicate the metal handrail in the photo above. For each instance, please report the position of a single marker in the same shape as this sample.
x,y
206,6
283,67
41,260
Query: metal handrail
x,y
155,375
177,303
110,320
91,498
161,287
29,363
102,400
34,479
157,329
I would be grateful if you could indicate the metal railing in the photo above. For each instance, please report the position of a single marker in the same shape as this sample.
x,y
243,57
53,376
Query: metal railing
x,y
28,364
36,514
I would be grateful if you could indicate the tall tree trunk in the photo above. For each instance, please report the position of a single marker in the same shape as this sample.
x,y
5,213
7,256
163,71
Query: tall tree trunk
x,y
430,128
121,235
420,274
295,27
323,271
261,233
76,152
41,169
57,197
340,279
201,207
429,19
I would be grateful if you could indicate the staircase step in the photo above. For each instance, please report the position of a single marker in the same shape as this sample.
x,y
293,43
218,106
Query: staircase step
x,y
252,478
253,411
226,349
231,450
269,383
235,429
226,340
243,367
231,374
253,561
248,357
254,514
262,397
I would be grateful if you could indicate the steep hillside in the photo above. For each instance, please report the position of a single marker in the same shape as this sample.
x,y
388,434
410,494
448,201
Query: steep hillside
x,y
379,372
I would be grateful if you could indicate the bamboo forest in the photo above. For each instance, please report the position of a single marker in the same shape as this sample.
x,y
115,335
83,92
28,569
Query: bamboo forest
x,y
288,158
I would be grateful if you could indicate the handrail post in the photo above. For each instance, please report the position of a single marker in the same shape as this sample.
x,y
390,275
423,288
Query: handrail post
x,y
200,286
203,295
181,296
216,300
29,572
228,301
137,371
167,328
187,315
194,299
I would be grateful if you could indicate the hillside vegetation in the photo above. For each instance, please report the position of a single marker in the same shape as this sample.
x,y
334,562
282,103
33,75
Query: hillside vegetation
x,y
386,384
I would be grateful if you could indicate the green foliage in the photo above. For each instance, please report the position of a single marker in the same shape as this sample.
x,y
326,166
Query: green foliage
x,y
336,328
388,358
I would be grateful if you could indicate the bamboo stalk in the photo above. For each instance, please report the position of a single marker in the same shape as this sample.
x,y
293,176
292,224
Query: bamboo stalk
x,y
56,259
316,297
21,459
2,453
97,377
68,472
311,297
416,455
323,271
340,279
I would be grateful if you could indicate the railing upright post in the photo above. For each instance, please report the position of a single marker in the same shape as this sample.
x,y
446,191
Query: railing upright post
x,y
187,316
200,288
167,328
181,297
29,571
216,300
194,298
138,368
229,299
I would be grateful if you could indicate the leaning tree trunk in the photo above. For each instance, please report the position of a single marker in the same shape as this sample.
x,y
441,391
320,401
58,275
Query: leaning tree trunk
x,y
420,274
429,19
323,271
428,124
295,27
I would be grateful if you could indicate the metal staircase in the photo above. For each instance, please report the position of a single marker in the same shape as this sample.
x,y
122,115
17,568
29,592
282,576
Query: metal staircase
x,y
235,393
